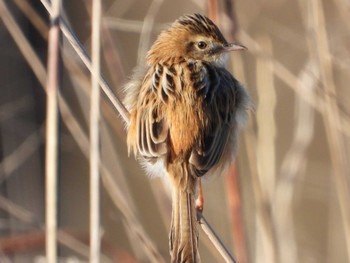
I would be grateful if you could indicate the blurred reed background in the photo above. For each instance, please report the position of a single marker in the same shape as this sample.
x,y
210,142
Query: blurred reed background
x,y
286,199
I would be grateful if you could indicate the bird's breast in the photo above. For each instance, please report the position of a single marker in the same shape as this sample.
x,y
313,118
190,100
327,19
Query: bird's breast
x,y
187,123
185,111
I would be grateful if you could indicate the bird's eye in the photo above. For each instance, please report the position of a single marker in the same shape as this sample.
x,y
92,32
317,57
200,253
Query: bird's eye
x,y
201,45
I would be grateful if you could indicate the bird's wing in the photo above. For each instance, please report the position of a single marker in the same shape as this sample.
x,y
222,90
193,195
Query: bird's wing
x,y
149,125
220,104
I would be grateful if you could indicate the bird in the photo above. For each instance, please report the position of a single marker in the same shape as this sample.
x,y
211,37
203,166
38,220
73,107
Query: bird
x,y
186,110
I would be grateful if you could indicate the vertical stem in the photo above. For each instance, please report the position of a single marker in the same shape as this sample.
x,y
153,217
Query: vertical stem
x,y
292,168
331,116
213,11
265,151
236,216
266,156
229,9
53,84
94,136
233,190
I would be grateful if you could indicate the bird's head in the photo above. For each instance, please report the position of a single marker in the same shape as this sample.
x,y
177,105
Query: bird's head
x,y
191,37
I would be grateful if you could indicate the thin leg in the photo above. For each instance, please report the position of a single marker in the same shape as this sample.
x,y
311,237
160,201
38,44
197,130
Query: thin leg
x,y
200,198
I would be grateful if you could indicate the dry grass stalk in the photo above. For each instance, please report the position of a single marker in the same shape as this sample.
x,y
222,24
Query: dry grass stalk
x,y
265,151
209,231
18,212
112,57
241,244
213,11
53,86
22,153
236,215
233,187
95,241
32,15
265,117
10,109
128,25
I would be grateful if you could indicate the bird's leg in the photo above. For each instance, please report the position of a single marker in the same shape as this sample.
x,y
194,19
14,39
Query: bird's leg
x,y
200,198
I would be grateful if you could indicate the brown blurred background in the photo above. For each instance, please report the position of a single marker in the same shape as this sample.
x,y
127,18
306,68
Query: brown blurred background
x,y
289,198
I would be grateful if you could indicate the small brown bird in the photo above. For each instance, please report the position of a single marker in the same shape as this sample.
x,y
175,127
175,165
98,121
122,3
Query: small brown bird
x,y
185,113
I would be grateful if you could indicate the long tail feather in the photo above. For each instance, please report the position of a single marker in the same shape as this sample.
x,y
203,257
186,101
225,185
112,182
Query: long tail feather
x,y
184,230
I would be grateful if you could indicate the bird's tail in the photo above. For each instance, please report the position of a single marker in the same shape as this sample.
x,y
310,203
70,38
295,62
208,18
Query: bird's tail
x,y
184,231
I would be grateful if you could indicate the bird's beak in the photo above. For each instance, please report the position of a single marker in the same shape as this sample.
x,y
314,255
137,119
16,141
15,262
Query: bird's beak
x,y
233,47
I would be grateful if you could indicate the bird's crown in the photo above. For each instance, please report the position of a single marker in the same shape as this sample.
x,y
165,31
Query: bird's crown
x,y
191,37
198,24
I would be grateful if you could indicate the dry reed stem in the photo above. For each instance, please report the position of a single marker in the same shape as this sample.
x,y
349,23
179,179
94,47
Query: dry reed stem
x,y
78,246
14,160
292,167
265,148
263,206
343,7
265,118
241,244
17,211
209,231
232,182
95,245
51,159
331,115
10,109
117,75
213,11
31,14
229,9
79,77
234,200
128,25
112,57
